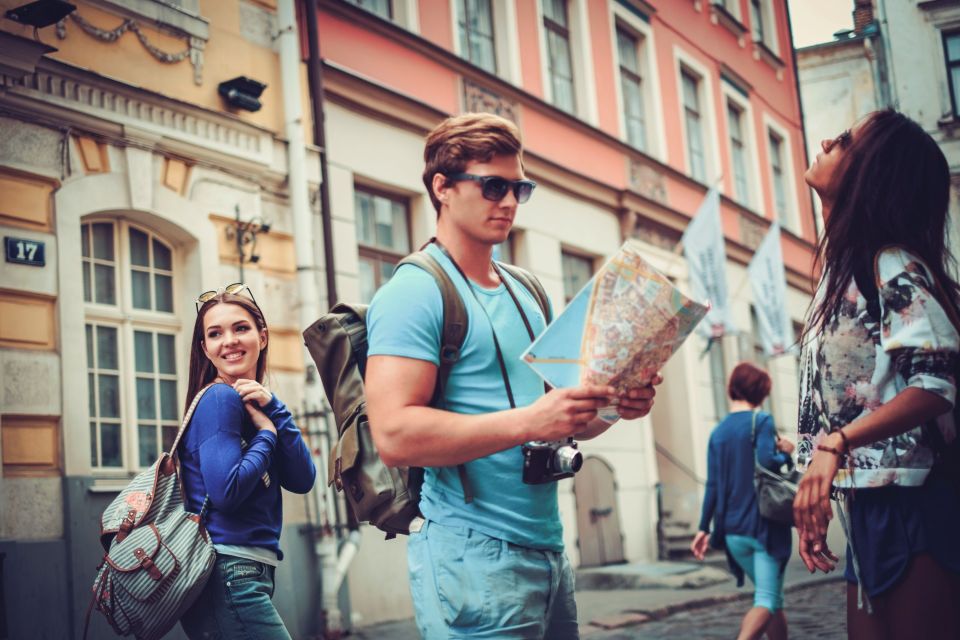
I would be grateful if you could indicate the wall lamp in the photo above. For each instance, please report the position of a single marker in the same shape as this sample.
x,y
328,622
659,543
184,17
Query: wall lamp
x,y
244,235
242,92
41,13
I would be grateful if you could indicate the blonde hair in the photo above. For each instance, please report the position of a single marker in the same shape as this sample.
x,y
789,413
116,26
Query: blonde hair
x,y
460,140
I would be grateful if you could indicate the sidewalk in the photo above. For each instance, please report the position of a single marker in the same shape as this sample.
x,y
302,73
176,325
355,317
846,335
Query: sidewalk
x,y
621,596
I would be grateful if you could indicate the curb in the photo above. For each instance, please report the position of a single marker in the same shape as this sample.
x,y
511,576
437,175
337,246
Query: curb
x,y
697,578
635,617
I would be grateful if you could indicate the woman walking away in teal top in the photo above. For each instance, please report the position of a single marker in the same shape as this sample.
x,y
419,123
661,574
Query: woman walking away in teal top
x,y
754,545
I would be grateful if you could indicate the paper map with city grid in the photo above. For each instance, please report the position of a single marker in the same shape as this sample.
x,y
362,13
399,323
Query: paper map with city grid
x,y
619,330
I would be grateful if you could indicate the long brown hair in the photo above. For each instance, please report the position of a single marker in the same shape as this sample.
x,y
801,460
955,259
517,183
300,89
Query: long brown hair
x,y
202,371
891,187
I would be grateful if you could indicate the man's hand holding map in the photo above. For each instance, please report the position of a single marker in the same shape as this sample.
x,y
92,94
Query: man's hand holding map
x,y
619,330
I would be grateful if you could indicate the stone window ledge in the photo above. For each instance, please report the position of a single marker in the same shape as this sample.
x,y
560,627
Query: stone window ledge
x,y
719,14
763,52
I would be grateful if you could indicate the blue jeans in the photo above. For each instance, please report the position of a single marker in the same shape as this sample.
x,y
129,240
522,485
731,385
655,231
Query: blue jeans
x,y
235,605
467,584
762,569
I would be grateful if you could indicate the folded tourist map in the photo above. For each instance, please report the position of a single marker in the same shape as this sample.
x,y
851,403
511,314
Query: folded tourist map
x,y
619,330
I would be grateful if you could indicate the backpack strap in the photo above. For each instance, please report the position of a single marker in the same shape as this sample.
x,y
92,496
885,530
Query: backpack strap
x,y
452,336
186,418
530,282
455,319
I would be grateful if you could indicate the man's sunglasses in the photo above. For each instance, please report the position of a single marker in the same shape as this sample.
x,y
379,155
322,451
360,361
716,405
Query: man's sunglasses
x,y
495,188
232,289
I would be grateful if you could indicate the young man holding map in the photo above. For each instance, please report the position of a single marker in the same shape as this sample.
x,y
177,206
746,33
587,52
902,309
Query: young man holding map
x,y
491,565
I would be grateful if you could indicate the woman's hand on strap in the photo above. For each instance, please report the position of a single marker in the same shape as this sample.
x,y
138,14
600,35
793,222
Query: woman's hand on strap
x,y
252,391
812,511
786,446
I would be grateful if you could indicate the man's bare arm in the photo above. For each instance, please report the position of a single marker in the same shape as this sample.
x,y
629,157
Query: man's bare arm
x,y
408,432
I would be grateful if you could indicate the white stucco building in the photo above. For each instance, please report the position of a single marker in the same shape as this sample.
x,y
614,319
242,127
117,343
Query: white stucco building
x,y
903,54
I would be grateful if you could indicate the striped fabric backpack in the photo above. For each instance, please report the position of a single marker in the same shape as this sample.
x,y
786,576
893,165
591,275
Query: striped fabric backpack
x,y
159,556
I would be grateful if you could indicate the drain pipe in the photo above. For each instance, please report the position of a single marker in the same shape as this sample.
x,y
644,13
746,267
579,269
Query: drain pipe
x,y
334,565
315,78
325,546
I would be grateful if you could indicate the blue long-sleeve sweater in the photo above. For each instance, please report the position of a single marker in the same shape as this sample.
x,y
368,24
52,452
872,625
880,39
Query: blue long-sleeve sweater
x,y
213,461
731,500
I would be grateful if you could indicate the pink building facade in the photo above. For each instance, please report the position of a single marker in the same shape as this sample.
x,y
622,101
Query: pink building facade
x,y
630,110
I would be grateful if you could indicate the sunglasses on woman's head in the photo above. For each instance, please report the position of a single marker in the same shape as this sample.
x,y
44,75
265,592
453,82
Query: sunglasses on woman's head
x,y
495,188
232,289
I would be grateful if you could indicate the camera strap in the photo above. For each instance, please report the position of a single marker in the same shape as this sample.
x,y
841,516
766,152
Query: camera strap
x,y
496,342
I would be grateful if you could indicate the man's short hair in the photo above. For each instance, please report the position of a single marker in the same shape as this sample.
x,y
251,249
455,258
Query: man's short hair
x,y
749,382
460,140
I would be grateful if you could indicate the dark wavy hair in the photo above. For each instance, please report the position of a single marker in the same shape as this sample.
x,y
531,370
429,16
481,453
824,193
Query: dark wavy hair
x,y
891,187
202,371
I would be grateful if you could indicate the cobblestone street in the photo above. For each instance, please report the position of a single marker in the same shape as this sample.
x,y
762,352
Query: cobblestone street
x,y
816,611
813,611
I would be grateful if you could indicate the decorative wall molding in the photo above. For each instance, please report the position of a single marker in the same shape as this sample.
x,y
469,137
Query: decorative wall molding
x,y
647,181
180,16
258,25
652,233
479,99
147,116
194,49
752,232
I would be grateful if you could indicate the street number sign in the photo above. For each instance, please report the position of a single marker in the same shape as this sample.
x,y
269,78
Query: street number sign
x,y
23,251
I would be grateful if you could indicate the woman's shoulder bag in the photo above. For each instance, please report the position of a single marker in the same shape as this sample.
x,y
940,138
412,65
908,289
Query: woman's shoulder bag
x,y
158,555
775,491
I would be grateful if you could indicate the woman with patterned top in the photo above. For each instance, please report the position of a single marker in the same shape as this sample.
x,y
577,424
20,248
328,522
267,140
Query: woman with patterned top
x,y
879,363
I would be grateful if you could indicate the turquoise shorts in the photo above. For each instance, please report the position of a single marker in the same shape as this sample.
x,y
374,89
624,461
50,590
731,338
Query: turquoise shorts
x,y
466,584
762,569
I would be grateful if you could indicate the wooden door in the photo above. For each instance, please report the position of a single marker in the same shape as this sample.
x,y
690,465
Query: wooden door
x,y
598,521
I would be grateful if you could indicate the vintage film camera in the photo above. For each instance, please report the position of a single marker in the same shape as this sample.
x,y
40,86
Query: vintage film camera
x,y
550,461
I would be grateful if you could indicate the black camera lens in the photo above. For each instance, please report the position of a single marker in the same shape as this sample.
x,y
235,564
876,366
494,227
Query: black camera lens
x,y
567,459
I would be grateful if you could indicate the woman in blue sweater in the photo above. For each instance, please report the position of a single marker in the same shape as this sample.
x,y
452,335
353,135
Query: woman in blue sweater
x,y
242,446
755,546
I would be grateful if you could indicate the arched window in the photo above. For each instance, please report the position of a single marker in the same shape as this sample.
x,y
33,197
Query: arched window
x,y
132,327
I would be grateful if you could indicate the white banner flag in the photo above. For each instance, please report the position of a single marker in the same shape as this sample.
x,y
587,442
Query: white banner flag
x,y
706,256
769,282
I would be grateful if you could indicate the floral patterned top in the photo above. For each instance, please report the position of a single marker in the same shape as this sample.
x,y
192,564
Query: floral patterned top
x,y
857,364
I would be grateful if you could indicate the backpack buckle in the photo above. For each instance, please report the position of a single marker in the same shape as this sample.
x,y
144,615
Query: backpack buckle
x,y
147,563
127,525
337,479
449,354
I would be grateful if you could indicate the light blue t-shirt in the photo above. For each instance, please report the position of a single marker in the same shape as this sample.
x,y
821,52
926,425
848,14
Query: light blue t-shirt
x,y
405,319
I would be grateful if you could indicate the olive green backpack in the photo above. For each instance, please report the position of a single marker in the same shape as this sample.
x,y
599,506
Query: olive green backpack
x,y
386,497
